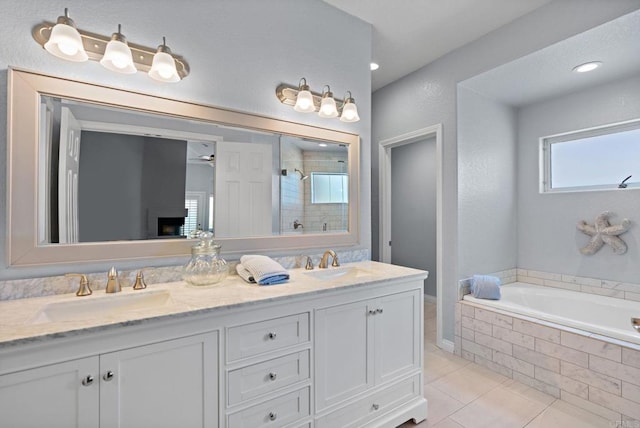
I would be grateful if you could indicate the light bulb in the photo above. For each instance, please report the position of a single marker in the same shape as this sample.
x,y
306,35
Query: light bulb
x,y
328,107
163,67
67,48
65,42
304,102
349,111
117,55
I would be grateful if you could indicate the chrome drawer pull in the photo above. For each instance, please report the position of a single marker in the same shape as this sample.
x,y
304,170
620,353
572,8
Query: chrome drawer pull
x,y
372,312
271,335
272,416
375,406
87,380
379,310
108,376
272,376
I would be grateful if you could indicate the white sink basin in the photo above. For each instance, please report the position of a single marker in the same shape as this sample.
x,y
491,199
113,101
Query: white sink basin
x,y
95,306
338,273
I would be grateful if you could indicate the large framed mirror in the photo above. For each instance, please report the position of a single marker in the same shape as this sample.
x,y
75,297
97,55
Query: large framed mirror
x,y
97,173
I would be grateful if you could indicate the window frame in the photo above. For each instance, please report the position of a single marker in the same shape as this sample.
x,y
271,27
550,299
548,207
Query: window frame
x,y
545,156
345,189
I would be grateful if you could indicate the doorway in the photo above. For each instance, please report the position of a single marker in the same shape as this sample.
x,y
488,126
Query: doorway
x,y
399,179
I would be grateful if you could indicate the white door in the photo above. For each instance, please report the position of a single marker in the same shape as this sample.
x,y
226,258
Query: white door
x,y
51,396
168,384
243,189
68,177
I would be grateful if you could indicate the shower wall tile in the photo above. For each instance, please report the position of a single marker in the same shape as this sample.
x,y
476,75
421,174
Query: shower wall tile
x,y
601,287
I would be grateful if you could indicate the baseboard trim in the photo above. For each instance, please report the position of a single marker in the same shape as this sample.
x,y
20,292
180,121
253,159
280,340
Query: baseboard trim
x,y
447,345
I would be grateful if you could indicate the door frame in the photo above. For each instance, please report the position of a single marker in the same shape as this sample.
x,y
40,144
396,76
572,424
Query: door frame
x,y
384,161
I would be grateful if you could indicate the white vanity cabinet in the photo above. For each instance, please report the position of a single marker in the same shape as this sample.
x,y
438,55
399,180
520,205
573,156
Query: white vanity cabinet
x,y
311,353
167,384
63,395
367,358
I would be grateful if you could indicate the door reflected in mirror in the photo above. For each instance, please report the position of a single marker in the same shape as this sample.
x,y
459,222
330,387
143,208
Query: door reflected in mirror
x,y
114,174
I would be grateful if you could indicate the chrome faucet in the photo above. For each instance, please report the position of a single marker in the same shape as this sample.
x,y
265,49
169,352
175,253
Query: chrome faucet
x,y
83,289
113,284
309,264
325,259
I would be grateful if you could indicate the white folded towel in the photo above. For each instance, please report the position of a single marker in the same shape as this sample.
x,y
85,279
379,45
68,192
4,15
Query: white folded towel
x,y
265,270
245,274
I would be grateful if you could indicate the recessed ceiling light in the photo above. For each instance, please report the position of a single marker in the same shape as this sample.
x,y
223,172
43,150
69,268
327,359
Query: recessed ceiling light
x,y
374,66
589,66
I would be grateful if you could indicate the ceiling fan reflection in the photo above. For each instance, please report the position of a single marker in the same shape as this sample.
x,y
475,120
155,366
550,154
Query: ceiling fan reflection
x,y
204,158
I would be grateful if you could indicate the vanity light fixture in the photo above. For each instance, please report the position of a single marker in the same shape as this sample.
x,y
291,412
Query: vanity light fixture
x,y
65,41
117,55
303,100
328,104
589,66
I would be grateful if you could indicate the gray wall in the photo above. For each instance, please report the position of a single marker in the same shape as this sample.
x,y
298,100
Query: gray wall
x,y
428,96
487,233
110,187
413,208
548,239
239,52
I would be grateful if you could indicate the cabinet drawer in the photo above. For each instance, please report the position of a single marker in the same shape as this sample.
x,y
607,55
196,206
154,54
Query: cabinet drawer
x,y
276,412
269,335
370,407
257,379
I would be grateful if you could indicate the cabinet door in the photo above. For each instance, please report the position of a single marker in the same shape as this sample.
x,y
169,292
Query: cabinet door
x,y
168,384
398,338
343,349
51,396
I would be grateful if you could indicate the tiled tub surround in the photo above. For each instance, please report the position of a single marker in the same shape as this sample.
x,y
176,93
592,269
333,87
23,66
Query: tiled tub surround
x,y
601,376
47,286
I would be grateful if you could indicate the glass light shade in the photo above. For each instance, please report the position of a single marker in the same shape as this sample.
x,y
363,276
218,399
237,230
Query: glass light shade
x,y
304,102
117,57
65,42
349,112
328,107
163,68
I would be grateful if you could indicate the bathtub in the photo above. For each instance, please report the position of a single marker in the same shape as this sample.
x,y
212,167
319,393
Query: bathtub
x,y
604,316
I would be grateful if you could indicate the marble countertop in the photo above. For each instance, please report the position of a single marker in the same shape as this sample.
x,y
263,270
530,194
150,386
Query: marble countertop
x,y
29,320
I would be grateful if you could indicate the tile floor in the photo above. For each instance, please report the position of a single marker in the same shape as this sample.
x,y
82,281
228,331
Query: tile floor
x,y
462,394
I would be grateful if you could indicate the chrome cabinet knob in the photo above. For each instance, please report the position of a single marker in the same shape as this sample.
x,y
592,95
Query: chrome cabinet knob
x,y
108,376
379,310
272,376
272,416
372,312
271,335
87,380
375,406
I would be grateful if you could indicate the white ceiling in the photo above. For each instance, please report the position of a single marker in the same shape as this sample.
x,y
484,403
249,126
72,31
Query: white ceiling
x,y
548,72
409,34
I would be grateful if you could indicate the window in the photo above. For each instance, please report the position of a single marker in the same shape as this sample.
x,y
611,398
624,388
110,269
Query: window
x,y
195,212
329,188
598,158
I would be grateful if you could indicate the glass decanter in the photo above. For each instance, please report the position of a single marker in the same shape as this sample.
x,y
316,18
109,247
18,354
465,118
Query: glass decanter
x,y
205,267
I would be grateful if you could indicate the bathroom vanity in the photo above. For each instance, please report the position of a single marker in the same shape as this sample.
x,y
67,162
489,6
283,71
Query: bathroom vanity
x,y
337,347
